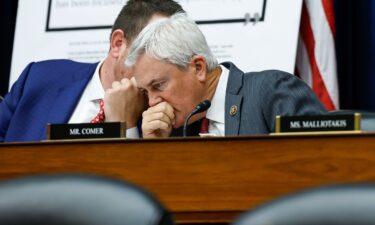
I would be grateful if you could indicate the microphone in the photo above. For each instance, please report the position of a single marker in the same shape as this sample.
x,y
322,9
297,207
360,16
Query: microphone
x,y
201,107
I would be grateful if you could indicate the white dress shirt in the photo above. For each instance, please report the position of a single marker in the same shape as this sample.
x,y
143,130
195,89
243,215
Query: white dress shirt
x,y
216,113
88,105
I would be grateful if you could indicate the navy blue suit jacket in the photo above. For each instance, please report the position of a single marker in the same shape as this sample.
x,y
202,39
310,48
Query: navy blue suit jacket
x,y
46,92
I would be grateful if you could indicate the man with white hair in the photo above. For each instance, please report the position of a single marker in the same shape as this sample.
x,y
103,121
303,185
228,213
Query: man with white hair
x,y
173,64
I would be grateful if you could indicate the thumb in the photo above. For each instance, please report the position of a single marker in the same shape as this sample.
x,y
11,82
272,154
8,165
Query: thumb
x,y
133,81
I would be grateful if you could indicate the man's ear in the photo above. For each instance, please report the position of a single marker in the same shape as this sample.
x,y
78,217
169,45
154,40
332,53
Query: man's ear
x,y
118,43
200,66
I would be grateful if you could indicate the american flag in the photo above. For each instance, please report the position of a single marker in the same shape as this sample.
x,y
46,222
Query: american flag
x,y
316,58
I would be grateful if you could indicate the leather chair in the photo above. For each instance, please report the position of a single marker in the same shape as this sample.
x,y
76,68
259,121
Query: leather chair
x,y
333,205
78,200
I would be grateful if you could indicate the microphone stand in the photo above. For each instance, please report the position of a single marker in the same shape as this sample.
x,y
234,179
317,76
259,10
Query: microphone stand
x,y
201,107
186,121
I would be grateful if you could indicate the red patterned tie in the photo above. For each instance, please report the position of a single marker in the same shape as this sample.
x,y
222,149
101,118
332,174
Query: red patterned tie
x,y
100,117
204,126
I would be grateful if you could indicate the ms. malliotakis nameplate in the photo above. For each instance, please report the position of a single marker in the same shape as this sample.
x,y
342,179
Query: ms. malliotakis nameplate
x,y
318,123
85,131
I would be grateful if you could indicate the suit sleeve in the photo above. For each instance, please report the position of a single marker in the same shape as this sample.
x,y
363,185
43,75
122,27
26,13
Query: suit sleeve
x,y
9,105
287,95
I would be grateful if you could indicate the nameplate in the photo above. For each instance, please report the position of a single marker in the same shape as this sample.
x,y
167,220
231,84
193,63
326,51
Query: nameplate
x,y
85,131
318,123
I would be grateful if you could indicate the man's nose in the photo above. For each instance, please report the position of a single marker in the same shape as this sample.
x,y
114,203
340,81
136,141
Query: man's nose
x,y
154,99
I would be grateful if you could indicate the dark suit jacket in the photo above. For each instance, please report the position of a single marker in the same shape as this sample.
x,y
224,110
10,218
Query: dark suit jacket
x,y
260,96
46,92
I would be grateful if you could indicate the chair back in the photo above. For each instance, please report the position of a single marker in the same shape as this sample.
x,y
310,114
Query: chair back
x,y
334,205
78,200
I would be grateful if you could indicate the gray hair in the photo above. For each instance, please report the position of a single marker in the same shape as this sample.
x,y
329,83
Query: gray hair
x,y
175,40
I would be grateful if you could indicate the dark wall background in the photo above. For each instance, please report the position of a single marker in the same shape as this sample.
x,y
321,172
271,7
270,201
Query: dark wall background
x,y
8,13
355,24
355,47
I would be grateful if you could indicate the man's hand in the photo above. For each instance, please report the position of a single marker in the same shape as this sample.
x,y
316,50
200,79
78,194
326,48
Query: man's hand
x,y
124,102
158,121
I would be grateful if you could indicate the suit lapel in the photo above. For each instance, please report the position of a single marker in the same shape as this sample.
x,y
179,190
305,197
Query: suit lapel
x,y
233,100
232,119
66,101
67,97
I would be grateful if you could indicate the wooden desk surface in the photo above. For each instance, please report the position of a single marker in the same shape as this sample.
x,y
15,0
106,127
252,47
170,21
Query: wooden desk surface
x,y
206,180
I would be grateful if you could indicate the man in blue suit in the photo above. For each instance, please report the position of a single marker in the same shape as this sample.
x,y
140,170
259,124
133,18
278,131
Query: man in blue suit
x,y
64,91
179,71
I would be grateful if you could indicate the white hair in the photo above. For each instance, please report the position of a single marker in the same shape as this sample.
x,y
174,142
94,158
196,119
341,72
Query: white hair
x,y
175,40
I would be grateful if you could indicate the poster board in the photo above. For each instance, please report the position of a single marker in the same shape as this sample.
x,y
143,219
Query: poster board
x,y
254,34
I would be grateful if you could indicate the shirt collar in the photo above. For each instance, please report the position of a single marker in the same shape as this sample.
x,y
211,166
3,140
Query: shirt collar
x,y
217,110
94,89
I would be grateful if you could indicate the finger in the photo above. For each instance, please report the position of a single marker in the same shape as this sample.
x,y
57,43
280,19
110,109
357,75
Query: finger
x,y
133,81
125,81
155,125
116,84
125,84
167,109
108,92
150,116
161,107
158,116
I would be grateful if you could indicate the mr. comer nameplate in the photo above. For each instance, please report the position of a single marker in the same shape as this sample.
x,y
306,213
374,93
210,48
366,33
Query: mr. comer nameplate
x,y
85,131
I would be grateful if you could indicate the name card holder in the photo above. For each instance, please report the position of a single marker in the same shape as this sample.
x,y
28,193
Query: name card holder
x,y
76,131
318,124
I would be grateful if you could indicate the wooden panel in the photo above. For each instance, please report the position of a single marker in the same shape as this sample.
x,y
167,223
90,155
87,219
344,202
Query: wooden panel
x,y
206,180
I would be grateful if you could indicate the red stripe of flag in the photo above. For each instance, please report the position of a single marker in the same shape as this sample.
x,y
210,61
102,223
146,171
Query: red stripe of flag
x,y
318,84
330,15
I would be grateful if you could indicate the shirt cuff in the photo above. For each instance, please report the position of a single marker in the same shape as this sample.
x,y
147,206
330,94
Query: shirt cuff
x,y
132,133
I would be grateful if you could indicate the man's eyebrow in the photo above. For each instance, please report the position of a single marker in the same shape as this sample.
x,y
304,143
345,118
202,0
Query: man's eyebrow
x,y
153,81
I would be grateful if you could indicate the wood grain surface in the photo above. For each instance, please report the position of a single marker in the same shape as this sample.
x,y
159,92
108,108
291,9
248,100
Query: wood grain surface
x,y
210,180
